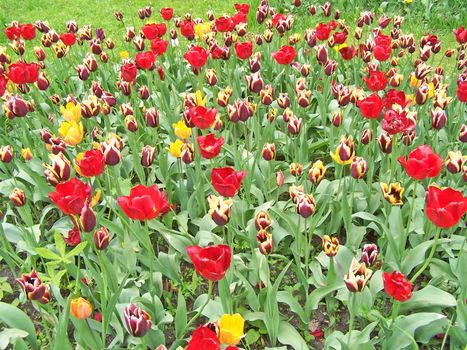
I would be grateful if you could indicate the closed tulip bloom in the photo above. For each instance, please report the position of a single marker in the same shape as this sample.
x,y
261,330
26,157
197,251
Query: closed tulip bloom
x,y
345,152
144,203
32,285
262,220
147,155
371,106
80,308
445,206
137,320
330,245
295,169
385,143
265,242
18,197
244,50
422,163
231,329
211,262
358,276
101,238
181,130
71,112
219,209
226,181
269,151
397,286
59,170
369,254
305,205
196,56
455,161
359,168
90,163
26,154
392,192
279,178
202,117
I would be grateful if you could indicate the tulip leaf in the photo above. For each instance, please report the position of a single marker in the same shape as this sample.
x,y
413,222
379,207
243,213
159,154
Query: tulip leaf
x,y
288,335
10,335
428,298
180,315
15,318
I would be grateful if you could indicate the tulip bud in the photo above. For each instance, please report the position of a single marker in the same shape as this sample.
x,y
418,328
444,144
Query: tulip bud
x,y
337,117
147,155
131,123
358,276
39,53
330,245
369,254
111,152
265,242
26,154
271,114
303,98
101,238
6,153
454,161
187,153
279,178
283,100
219,209
80,308
254,82
88,218
262,220
143,92
305,69
211,76
462,134
312,10
151,115
294,125
267,95
223,97
359,168
90,107
137,320
305,205
330,67
367,135
295,192
407,137
321,54
255,63
18,197
316,172
385,143
438,118
421,94
269,151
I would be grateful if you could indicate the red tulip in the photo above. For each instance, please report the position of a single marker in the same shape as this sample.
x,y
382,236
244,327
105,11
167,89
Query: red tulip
x,y
196,56
461,91
167,13
27,31
243,8
3,83
70,196
154,30
225,24
445,207
159,46
285,55
211,262
202,117
461,34
68,39
323,31
397,286
371,106
204,339
422,163
187,29
209,146
12,32
394,122
128,72
244,50
144,203
91,163
23,73
227,181
348,52
376,81
145,60
395,97
32,285
382,53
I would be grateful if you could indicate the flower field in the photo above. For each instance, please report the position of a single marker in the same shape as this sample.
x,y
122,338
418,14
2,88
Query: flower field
x,y
233,181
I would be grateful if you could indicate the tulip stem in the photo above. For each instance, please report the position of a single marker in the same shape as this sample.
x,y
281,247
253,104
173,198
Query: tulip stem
x,y
427,261
395,310
352,316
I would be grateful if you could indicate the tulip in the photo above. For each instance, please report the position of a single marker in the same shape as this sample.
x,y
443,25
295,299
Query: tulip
x,y
90,163
209,146
283,100
71,112
59,170
219,209
305,205
316,172
73,237
187,153
279,178
26,154
144,203
438,118
359,168
18,197
269,151
369,254
385,143
397,286
231,329
90,107
445,206
137,320
80,308
71,196
212,262
101,238
226,181
367,135
175,148
376,81
358,276
330,245
285,55
32,286
204,338
345,152
147,155
295,169
262,220
182,130
422,163
392,192
71,132
151,115
454,162
371,107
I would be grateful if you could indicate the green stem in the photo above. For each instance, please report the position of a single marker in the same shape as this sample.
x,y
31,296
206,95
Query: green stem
x,y
427,261
352,316
395,310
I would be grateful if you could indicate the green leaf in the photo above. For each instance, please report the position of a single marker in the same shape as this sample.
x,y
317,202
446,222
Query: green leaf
x,y
180,315
60,243
48,254
428,298
15,318
77,250
288,335
9,335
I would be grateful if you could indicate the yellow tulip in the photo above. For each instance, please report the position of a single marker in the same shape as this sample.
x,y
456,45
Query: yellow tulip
x,y
72,112
201,29
231,329
200,100
124,55
181,130
175,148
71,132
